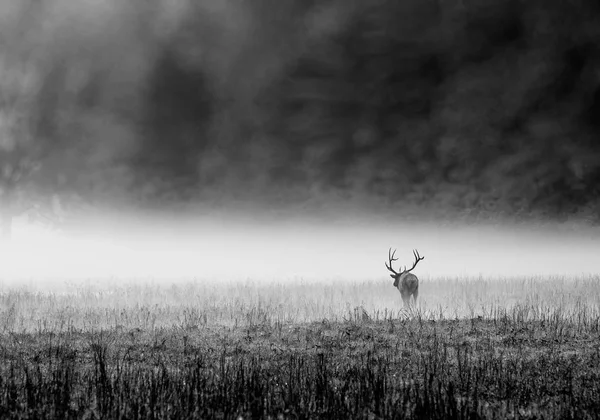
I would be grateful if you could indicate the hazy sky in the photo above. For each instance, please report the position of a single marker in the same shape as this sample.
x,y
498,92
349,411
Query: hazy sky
x,y
284,102
237,249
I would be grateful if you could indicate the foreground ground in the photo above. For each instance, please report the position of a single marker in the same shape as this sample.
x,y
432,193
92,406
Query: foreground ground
x,y
281,351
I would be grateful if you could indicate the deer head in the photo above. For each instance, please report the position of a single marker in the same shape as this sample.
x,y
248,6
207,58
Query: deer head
x,y
395,274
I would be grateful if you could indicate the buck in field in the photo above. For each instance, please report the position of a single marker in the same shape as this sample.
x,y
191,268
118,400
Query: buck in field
x,y
406,282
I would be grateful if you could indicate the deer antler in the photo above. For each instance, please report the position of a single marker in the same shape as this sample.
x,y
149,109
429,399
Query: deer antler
x,y
417,259
392,259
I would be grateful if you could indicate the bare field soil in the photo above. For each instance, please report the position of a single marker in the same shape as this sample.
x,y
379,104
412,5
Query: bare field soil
x,y
473,348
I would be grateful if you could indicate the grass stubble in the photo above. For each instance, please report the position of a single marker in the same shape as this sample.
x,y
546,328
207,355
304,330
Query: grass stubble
x,y
473,348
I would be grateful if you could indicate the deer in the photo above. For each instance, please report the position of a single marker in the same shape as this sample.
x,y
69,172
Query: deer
x,y
405,281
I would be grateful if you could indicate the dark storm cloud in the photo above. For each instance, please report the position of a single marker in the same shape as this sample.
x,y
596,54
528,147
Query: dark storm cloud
x,y
488,106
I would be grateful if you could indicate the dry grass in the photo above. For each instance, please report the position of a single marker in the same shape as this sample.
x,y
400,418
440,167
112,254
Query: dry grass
x,y
520,348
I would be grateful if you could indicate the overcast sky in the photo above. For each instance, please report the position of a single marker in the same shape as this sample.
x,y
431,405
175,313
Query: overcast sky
x,y
411,105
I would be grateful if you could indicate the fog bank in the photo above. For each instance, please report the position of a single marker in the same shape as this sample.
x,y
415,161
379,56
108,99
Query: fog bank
x,y
222,248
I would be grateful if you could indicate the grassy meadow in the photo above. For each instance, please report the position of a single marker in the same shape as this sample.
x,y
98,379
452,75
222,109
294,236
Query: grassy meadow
x,y
472,348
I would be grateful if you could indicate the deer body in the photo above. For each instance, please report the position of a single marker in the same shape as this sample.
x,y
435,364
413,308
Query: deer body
x,y
408,285
405,281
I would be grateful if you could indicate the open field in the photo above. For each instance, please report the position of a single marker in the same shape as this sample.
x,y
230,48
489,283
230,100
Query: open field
x,y
474,348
